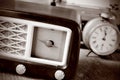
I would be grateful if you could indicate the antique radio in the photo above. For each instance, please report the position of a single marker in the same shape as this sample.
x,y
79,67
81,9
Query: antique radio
x,y
39,41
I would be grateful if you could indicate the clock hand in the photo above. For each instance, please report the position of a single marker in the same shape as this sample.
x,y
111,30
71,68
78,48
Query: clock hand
x,y
105,34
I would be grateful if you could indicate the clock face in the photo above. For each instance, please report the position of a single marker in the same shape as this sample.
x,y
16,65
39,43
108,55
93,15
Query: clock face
x,y
104,40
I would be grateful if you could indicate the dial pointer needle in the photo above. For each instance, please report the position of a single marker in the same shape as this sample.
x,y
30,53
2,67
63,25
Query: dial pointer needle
x,y
48,43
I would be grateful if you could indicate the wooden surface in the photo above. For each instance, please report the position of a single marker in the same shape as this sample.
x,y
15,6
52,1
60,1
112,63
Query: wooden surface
x,y
6,76
94,68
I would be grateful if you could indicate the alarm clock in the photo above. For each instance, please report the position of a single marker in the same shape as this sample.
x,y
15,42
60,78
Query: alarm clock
x,y
101,36
42,45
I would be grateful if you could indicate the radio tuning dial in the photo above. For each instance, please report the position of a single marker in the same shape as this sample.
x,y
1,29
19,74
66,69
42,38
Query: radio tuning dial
x,y
20,69
59,75
49,43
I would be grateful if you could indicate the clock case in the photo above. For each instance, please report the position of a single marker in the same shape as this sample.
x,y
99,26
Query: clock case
x,y
94,23
46,14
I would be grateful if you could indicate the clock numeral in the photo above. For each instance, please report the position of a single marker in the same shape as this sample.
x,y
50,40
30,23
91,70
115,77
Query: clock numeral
x,y
94,37
111,30
94,42
106,28
96,32
102,46
96,46
111,45
101,29
113,40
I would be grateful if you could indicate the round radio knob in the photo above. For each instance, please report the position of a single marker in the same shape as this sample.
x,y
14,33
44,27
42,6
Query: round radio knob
x,y
20,69
59,75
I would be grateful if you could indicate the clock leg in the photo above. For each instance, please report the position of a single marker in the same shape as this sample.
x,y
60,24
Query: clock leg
x,y
88,53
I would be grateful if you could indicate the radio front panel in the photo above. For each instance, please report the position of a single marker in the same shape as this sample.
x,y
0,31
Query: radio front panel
x,y
32,41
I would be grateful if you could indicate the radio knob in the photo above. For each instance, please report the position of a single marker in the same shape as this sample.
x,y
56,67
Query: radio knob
x,y
59,75
20,69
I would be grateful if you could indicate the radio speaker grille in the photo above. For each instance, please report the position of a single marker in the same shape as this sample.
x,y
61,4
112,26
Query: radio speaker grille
x,y
13,38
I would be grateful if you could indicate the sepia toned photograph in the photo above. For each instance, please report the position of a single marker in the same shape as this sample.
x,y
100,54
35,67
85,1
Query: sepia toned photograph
x,y
59,40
